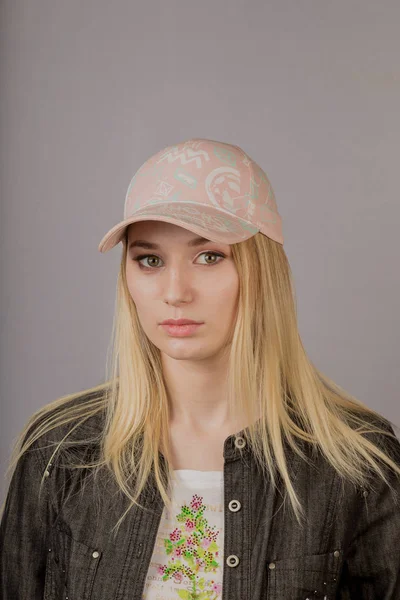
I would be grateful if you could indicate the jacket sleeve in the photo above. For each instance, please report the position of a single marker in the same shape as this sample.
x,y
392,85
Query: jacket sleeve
x,y
372,564
23,548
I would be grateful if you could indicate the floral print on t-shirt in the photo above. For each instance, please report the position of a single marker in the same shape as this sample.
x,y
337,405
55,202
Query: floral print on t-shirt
x,y
193,549
188,554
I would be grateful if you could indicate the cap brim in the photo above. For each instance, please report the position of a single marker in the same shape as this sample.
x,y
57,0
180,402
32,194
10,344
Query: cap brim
x,y
116,234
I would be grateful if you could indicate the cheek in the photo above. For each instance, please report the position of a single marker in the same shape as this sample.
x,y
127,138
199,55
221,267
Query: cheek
x,y
137,292
132,288
141,289
223,295
141,300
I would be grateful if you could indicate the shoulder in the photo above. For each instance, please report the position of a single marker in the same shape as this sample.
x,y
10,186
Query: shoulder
x,y
383,434
67,426
322,474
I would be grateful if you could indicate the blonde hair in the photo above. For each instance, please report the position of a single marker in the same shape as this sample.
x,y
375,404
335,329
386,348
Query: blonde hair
x,y
269,376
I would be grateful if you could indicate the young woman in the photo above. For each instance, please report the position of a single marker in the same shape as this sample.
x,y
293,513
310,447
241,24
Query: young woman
x,y
216,462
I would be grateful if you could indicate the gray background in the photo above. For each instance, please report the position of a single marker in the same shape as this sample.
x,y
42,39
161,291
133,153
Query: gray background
x,y
90,89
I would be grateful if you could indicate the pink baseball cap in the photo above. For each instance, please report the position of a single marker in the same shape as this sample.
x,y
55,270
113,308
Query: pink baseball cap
x,y
211,188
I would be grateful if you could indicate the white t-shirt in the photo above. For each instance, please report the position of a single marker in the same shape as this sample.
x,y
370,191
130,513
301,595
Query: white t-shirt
x,y
188,553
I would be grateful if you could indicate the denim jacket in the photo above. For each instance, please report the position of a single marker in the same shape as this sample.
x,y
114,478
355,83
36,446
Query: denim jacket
x,y
63,548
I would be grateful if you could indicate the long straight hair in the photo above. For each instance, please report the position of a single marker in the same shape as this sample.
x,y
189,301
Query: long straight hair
x,y
287,400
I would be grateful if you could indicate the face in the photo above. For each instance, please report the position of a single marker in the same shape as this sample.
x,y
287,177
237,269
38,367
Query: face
x,y
169,277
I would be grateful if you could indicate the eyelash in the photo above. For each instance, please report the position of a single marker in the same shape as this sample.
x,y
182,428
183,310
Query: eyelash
x,y
142,256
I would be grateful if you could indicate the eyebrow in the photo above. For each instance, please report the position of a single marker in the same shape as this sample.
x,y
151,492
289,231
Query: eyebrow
x,y
197,241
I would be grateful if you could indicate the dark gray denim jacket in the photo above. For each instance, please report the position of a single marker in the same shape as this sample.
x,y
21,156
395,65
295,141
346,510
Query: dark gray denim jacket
x,y
350,547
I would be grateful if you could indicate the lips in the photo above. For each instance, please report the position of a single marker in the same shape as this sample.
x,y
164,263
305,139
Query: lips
x,y
180,322
186,329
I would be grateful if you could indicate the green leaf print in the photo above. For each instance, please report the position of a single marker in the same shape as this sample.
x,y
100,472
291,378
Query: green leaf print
x,y
206,596
189,559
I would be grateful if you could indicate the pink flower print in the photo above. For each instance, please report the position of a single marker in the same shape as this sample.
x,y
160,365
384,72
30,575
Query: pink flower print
x,y
178,551
206,542
190,541
175,535
196,502
217,587
190,524
178,577
161,569
212,533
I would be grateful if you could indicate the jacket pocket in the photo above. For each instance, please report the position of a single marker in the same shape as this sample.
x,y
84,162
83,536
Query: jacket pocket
x,y
306,577
71,567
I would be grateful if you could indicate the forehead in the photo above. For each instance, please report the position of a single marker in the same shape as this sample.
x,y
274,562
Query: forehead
x,y
161,232
157,229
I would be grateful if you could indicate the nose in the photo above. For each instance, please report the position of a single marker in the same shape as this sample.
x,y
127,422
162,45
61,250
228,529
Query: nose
x,y
177,285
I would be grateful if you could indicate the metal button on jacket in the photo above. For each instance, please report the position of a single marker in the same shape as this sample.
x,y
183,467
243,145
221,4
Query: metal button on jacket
x,y
232,560
240,442
234,505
